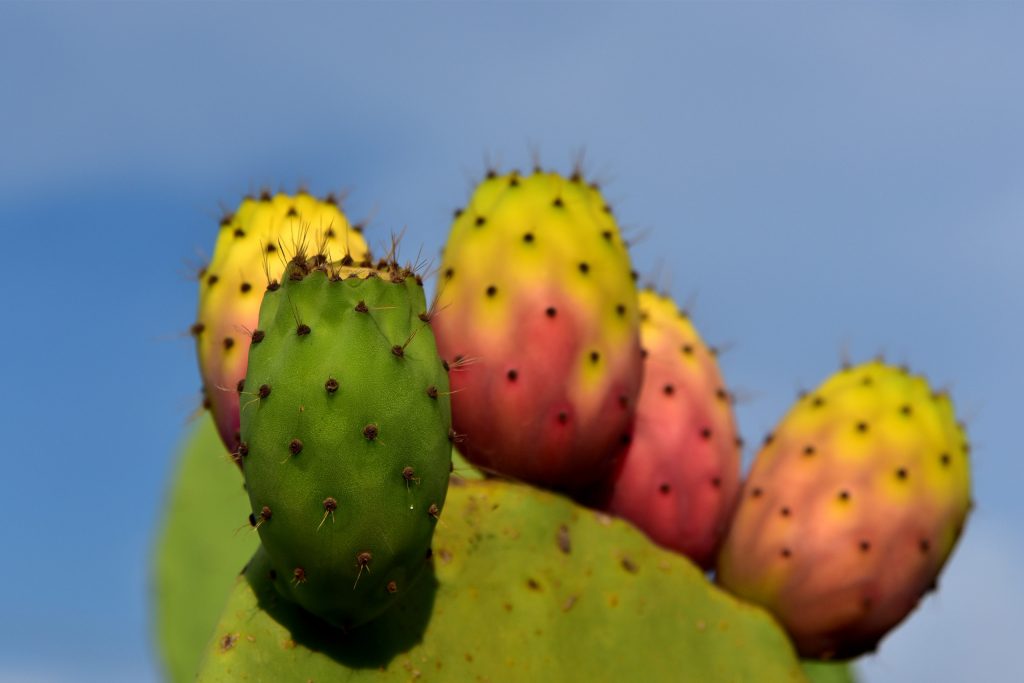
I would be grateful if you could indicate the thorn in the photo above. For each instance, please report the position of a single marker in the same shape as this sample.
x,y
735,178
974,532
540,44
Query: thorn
x,y
330,505
363,560
410,476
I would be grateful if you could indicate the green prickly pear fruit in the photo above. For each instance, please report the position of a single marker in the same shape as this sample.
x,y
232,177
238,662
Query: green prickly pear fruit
x,y
345,437
248,257
851,510
680,477
537,317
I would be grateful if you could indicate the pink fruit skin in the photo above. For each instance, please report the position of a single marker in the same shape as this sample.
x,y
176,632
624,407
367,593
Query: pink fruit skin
x,y
515,399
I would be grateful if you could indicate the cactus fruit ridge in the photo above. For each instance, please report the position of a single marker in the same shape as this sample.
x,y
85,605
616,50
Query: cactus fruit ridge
x,y
680,477
537,316
345,437
851,509
252,249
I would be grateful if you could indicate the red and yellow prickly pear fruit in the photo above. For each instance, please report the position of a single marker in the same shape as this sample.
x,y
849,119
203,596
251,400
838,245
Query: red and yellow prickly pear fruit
x,y
537,317
249,257
851,510
679,479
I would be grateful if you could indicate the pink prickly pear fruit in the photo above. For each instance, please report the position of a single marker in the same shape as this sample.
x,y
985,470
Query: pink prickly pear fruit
x,y
537,318
679,479
851,510
252,250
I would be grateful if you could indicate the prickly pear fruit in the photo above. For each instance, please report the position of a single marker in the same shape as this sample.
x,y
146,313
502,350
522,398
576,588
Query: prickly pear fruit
x,y
249,256
537,317
345,437
679,479
851,509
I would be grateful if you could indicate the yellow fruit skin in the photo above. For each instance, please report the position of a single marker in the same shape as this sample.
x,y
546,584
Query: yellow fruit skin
x,y
252,250
851,509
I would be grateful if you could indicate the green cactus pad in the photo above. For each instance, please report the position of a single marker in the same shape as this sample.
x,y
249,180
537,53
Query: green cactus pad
x,y
525,586
199,550
345,437
464,468
828,672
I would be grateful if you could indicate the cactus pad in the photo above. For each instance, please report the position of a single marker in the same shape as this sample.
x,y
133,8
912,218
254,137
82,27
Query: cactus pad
x,y
526,587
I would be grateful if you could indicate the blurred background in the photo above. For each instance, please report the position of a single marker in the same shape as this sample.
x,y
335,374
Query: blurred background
x,y
813,180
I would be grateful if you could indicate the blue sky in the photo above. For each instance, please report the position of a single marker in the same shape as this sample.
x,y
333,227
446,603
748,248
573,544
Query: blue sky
x,y
815,177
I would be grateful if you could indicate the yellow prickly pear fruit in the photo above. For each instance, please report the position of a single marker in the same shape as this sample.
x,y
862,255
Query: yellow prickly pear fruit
x,y
253,248
852,508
